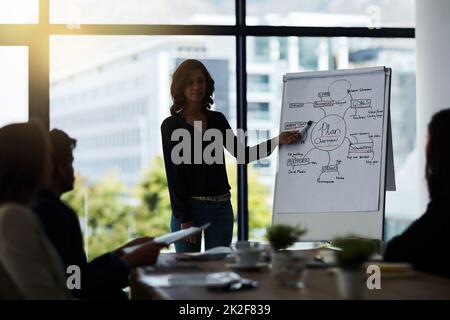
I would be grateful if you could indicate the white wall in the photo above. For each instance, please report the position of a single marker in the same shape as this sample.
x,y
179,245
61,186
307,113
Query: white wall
x,y
433,72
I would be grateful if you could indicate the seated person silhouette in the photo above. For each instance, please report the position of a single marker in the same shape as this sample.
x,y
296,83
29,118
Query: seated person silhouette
x,y
105,276
424,243
30,267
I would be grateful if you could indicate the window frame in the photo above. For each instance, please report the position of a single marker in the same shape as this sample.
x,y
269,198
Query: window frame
x,y
37,38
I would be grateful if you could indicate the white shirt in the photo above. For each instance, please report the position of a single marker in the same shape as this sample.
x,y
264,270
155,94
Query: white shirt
x,y
30,267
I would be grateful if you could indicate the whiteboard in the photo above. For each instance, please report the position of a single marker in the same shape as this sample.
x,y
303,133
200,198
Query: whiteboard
x,y
333,182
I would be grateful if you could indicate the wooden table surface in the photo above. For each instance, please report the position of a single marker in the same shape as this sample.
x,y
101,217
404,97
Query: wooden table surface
x,y
319,284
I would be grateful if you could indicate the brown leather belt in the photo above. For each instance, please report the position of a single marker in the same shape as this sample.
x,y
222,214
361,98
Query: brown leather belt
x,y
222,197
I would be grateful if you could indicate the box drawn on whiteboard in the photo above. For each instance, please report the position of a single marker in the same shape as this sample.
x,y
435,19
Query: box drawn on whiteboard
x,y
295,105
294,125
361,103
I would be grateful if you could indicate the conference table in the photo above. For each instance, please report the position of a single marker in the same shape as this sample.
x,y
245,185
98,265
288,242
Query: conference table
x,y
320,283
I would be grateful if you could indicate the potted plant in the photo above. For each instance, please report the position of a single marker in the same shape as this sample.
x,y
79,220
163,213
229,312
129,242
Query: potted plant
x,y
354,251
286,266
281,236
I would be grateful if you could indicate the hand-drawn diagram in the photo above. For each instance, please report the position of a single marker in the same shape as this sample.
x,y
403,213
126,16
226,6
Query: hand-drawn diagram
x,y
334,138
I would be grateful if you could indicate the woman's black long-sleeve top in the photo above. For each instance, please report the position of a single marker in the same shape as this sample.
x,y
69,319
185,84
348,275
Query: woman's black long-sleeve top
x,y
197,178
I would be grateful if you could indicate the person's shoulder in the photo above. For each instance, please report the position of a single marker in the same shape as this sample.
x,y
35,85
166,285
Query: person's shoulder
x,y
218,120
42,198
216,115
11,208
170,122
14,214
439,205
50,208
45,202
213,113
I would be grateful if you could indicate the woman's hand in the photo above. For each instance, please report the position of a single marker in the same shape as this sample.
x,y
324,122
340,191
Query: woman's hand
x,y
146,255
289,137
119,251
186,225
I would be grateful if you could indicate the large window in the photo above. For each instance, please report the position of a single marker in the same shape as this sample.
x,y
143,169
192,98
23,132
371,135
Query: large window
x,y
332,13
112,94
196,12
19,11
328,54
13,84
109,65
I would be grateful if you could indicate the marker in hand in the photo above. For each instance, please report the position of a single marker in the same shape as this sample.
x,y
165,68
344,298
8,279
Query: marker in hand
x,y
305,129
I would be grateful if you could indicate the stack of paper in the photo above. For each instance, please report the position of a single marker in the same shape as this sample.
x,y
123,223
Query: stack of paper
x,y
210,254
209,279
171,237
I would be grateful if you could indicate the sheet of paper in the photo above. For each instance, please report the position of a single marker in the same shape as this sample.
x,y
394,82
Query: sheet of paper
x,y
216,253
191,279
212,251
172,237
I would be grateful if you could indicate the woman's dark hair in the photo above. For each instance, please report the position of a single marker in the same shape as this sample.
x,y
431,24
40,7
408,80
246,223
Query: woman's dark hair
x,y
23,152
179,81
437,169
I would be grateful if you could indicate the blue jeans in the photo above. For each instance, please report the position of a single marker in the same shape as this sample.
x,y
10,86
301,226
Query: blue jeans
x,y
219,233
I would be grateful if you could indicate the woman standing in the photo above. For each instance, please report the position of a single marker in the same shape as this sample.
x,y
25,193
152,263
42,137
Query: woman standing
x,y
199,190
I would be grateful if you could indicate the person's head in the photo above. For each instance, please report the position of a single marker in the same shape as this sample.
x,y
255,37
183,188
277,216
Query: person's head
x,y
25,162
437,170
63,176
191,82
